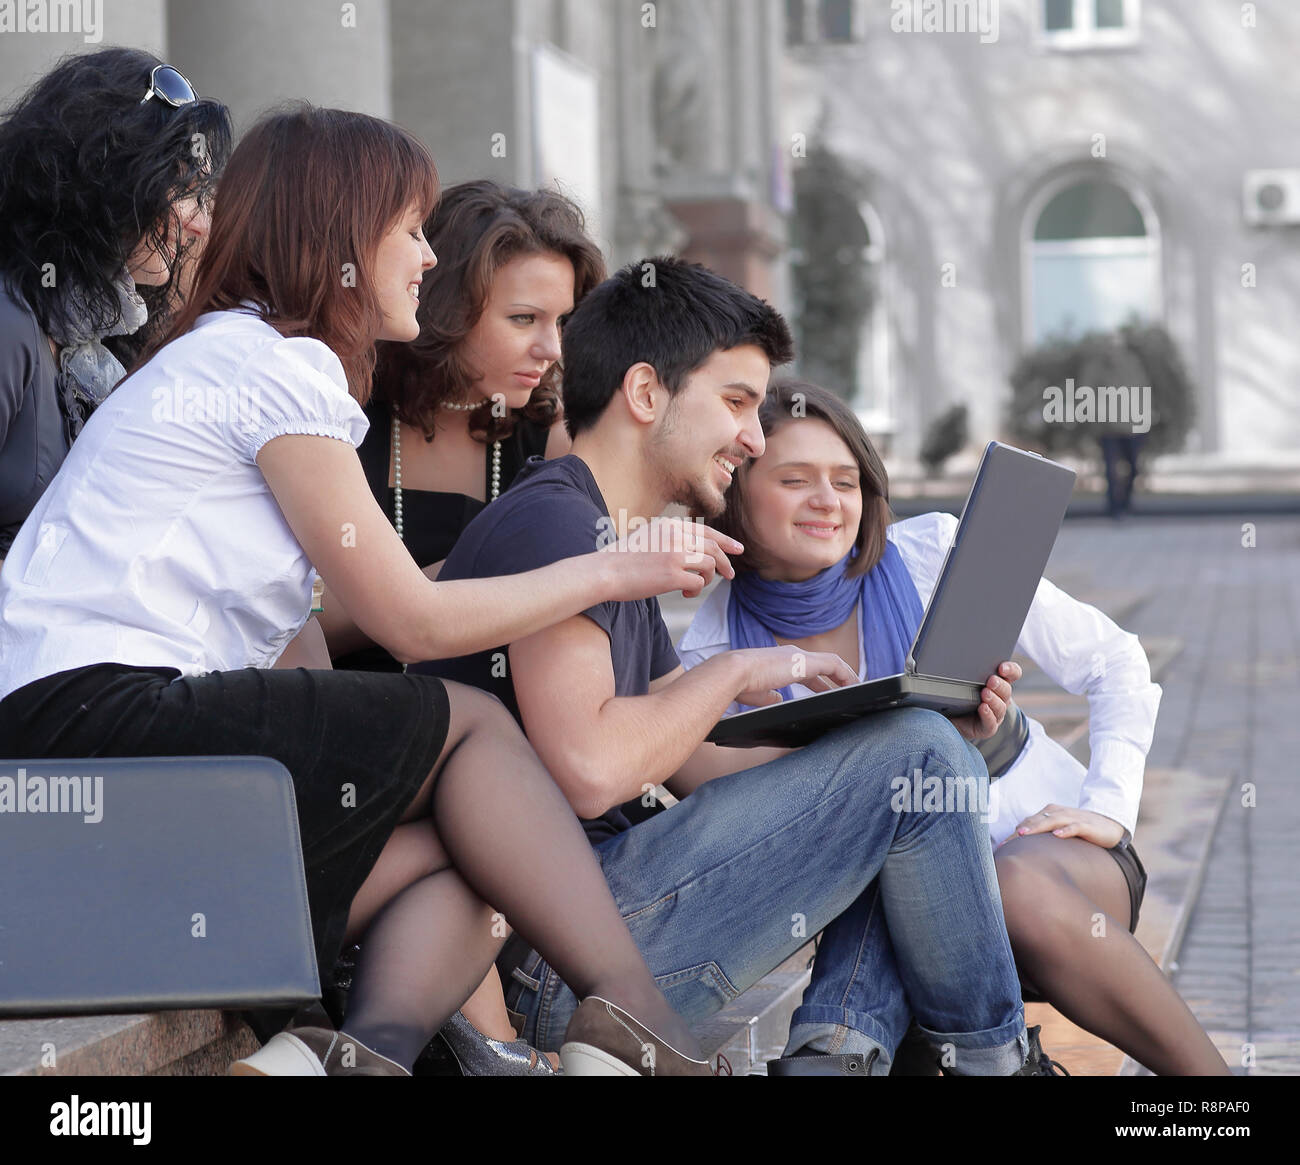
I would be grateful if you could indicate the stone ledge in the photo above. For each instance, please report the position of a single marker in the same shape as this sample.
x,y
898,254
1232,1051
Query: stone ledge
x,y
749,1031
752,1028
183,1043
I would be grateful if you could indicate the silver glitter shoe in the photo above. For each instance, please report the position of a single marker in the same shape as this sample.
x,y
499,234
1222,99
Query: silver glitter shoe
x,y
478,1055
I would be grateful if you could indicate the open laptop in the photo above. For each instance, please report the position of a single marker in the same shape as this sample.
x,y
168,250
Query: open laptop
x,y
1003,541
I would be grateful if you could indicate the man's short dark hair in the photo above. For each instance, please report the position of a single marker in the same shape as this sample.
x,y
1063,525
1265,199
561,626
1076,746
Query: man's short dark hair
x,y
664,312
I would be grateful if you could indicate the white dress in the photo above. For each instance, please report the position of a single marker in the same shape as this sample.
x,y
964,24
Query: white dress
x,y
1075,645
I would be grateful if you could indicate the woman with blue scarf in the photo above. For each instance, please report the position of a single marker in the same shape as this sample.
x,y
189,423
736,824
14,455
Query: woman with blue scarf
x,y
825,570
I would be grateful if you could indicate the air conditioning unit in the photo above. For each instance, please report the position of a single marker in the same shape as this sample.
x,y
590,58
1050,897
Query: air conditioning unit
x,y
1271,197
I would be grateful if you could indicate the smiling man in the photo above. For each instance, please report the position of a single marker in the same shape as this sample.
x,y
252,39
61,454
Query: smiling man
x,y
665,365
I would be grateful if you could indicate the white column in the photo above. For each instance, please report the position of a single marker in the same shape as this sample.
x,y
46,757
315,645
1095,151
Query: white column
x,y
30,47
253,55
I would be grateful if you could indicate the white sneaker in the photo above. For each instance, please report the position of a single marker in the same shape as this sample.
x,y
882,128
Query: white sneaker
x,y
315,1051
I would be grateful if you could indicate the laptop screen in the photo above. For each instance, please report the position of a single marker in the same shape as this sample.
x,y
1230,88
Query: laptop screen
x,y
1004,539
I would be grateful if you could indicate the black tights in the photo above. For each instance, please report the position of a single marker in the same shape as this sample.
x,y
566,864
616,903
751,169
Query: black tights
x,y
1067,911
489,825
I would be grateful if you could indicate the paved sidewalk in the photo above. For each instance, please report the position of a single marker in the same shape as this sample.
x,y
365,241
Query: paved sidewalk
x,y
1232,706
1229,709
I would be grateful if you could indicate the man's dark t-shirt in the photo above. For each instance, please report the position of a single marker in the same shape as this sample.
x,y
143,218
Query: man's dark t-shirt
x,y
555,510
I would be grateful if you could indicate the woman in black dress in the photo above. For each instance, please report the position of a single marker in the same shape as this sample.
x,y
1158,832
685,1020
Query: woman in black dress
x,y
457,412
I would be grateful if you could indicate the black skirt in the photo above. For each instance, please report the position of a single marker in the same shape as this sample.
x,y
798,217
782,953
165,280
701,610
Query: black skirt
x,y
380,733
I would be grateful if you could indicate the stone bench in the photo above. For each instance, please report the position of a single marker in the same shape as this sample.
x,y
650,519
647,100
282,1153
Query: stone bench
x,y
165,1043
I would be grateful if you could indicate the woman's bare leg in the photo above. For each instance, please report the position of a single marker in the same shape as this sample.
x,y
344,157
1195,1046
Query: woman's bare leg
x,y
486,1009
487,1014
1067,912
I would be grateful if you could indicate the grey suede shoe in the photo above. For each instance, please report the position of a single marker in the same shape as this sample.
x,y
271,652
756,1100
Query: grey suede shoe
x,y
478,1055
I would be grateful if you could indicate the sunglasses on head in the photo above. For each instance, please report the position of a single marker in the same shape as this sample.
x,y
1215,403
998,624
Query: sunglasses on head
x,y
167,84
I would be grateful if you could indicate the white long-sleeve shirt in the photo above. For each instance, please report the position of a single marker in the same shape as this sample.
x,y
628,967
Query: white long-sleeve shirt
x,y
1073,643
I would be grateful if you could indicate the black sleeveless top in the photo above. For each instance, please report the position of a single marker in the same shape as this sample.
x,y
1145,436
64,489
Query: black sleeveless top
x,y
431,520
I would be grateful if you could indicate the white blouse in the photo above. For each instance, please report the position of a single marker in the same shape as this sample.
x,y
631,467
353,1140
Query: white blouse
x,y
159,543
1074,644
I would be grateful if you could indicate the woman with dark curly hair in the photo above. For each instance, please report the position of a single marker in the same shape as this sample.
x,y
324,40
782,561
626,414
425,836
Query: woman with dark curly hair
x,y
456,413
107,167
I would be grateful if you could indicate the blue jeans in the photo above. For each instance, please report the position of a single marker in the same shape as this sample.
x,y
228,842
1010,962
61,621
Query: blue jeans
x,y
720,889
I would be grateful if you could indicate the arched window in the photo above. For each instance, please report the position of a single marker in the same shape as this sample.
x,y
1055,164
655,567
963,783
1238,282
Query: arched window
x,y
1093,260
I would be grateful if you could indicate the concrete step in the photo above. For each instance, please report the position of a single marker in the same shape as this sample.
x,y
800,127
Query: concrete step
x,y
165,1043
752,1029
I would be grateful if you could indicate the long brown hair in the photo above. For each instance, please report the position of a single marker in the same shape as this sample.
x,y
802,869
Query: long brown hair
x,y
477,227
305,200
791,400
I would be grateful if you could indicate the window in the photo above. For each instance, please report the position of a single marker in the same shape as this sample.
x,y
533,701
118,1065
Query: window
x,y
1088,24
1093,260
822,22
836,20
795,30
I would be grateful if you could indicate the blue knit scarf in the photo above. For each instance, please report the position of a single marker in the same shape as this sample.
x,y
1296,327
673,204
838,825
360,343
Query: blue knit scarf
x,y
759,609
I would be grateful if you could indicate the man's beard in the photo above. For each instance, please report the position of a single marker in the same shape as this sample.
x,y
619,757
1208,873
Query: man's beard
x,y
681,489
700,502
690,492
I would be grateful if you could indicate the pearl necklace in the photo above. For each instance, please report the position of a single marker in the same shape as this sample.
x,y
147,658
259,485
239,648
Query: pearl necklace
x,y
397,469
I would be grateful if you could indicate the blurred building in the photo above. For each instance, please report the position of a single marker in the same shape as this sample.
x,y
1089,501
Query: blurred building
x,y
927,186
659,118
1002,171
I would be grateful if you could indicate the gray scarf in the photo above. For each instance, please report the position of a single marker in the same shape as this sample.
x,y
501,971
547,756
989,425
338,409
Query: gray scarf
x,y
88,370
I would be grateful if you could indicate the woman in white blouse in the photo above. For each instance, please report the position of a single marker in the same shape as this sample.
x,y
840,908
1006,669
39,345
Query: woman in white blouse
x,y
163,571
813,514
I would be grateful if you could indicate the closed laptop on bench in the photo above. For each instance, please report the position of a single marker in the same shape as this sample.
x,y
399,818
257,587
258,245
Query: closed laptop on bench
x,y
148,884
